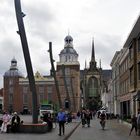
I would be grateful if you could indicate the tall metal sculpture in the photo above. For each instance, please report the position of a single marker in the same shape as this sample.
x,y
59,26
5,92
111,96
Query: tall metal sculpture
x,y
54,74
21,32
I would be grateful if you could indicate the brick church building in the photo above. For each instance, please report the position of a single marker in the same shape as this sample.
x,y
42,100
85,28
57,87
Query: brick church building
x,y
17,95
77,87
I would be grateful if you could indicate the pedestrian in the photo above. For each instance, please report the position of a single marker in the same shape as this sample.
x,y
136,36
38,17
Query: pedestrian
x,y
83,117
61,118
134,124
15,122
69,117
94,113
138,122
47,117
102,121
78,115
88,117
6,120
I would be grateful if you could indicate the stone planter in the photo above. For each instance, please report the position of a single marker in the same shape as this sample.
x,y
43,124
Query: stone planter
x,y
33,128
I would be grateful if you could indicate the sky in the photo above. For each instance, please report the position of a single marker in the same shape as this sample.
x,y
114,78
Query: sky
x,y
109,22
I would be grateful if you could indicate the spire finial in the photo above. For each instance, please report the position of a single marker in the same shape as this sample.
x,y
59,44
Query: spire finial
x,y
68,31
100,63
85,64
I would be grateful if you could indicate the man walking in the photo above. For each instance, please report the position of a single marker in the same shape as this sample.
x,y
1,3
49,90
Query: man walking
x,y
83,117
88,117
134,124
61,117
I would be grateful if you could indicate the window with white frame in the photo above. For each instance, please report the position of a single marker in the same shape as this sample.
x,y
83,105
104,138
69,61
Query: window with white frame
x,y
11,82
25,98
41,98
41,89
11,90
25,89
49,91
131,75
67,71
10,98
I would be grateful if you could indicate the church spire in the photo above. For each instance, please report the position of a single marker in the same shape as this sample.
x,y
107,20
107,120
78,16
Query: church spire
x,y
93,53
92,62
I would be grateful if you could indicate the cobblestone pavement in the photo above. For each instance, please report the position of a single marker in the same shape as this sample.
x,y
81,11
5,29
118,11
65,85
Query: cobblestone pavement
x,y
113,131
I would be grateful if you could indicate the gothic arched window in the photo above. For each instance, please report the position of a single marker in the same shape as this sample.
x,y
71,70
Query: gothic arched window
x,y
92,87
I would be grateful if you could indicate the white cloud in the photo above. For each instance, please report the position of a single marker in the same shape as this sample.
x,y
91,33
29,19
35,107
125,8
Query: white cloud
x,y
109,22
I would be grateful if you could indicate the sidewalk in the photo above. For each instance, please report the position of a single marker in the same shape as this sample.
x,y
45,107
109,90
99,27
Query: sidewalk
x,y
71,130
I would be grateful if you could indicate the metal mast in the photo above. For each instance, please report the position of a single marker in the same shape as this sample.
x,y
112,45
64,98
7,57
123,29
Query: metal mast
x,y
21,32
54,74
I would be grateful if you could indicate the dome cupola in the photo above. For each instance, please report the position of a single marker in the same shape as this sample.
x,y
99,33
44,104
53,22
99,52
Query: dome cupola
x,y
13,71
68,54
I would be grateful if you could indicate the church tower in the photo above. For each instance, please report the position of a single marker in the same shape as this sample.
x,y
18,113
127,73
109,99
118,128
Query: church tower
x,y
68,75
92,83
11,88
